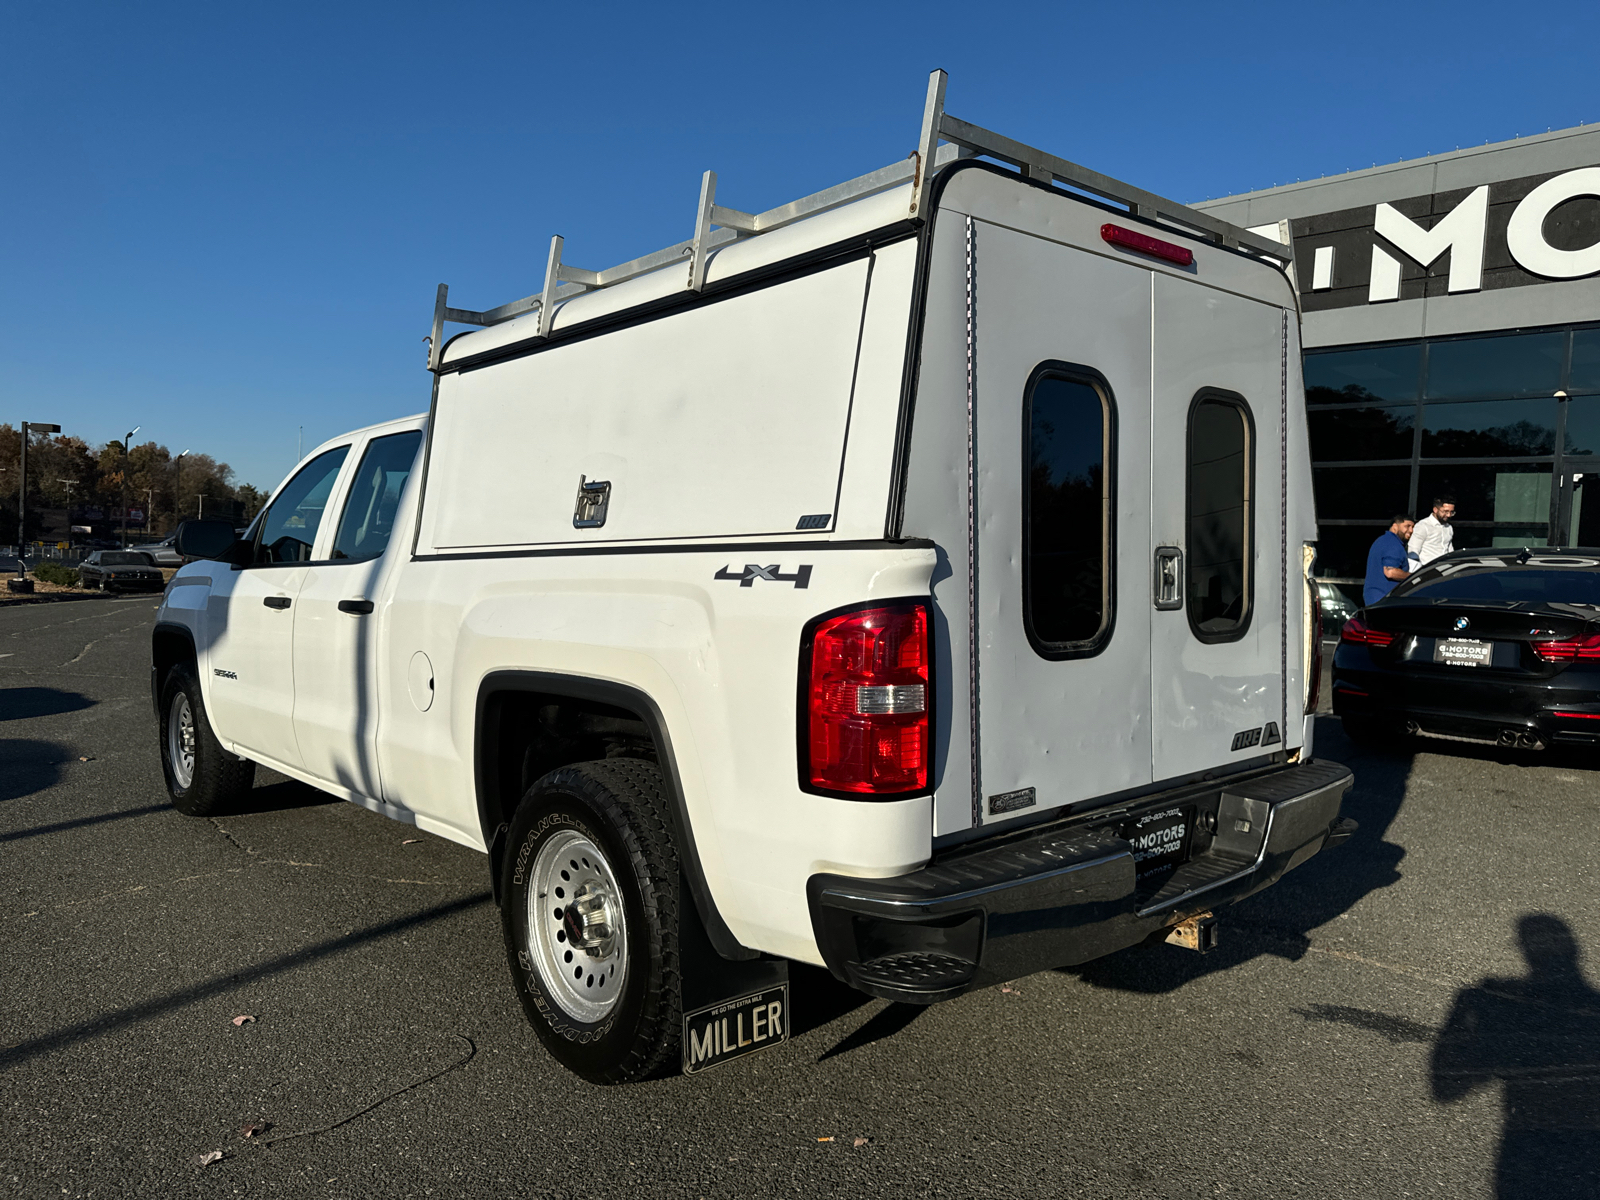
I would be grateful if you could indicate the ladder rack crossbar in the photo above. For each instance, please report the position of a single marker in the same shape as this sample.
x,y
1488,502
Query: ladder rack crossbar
x,y
717,226
1139,201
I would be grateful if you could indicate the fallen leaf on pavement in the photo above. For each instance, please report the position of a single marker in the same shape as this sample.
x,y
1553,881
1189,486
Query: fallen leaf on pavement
x,y
410,841
862,1141
1009,990
85,758
243,1018
209,1157
254,1129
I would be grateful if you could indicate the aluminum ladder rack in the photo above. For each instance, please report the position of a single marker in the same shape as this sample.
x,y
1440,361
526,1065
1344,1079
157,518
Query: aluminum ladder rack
x,y
716,226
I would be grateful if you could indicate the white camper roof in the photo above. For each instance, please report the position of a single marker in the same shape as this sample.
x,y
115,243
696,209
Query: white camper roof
x,y
728,242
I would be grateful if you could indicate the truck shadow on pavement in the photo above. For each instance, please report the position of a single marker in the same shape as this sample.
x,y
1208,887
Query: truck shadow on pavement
x,y
21,703
1279,920
28,766
1538,1037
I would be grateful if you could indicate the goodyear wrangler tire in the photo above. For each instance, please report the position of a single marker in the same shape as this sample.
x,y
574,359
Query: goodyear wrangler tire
x,y
203,779
591,918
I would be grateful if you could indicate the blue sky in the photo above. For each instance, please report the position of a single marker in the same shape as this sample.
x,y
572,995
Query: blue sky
x,y
226,222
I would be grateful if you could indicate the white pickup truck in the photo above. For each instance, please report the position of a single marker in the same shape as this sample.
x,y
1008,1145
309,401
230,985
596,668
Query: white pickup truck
x,y
911,579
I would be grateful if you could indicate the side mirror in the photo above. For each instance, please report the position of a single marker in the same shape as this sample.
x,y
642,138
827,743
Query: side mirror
x,y
210,539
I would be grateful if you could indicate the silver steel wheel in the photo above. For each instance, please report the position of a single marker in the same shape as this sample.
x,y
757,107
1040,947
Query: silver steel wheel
x,y
577,929
180,741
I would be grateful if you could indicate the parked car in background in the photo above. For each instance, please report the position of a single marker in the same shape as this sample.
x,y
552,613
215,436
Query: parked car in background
x,y
162,554
1337,605
120,570
1481,646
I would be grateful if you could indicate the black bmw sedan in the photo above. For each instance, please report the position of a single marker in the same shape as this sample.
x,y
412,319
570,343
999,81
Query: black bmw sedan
x,y
120,570
1492,646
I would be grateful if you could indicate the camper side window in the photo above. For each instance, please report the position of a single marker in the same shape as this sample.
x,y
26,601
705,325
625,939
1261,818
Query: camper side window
x,y
1068,428
1220,517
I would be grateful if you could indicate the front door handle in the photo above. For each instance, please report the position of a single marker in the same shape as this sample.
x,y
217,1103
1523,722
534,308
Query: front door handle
x,y
359,608
276,601
1167,586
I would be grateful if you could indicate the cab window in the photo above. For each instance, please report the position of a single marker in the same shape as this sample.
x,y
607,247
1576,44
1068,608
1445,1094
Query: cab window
x,y
289,526
1220,517
369,509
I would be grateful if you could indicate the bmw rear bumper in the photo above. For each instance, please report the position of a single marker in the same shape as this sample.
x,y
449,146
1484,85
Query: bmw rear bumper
x,y
1069,892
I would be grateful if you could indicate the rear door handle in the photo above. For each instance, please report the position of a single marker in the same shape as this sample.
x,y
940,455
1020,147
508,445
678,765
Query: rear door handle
x,y
1168,582
276,601
359,608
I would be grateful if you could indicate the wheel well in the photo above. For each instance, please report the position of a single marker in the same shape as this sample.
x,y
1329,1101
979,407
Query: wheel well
x,y
168,648
533,733
531,722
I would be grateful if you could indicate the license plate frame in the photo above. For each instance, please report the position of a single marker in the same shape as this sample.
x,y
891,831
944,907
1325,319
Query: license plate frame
x,y
1161,839
1463,652
722,1032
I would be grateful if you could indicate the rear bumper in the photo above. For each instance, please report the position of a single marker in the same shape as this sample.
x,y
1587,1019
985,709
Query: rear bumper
x,y
1067,893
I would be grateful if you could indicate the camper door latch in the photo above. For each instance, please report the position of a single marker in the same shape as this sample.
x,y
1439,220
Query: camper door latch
x,y
1168,585
593,497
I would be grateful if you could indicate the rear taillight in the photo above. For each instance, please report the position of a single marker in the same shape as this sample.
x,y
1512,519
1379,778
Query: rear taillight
x,y
864,692
1358,632
1586,648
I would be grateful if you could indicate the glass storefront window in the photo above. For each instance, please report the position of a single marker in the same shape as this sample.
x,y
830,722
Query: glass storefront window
x,y
1342,549
1527,364
1375,373
1489,429
1348,492
1585,375
1513,493
1345,433
1497,537
1583,425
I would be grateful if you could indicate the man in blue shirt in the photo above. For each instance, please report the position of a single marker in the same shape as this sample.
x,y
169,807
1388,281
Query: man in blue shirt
x,y
1388,562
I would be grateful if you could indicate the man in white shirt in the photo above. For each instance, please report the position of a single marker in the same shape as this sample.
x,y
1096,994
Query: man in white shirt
x,y
1434,535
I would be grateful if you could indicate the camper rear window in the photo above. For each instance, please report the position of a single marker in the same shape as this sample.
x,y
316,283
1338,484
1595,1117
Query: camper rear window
x,y
1067,513
1221,464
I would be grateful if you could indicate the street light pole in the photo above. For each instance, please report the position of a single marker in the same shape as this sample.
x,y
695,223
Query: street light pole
x,y
127,439
177,482
22,490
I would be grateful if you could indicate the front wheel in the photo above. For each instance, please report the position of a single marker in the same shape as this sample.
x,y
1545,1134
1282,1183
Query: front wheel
x,y
203,779
591,918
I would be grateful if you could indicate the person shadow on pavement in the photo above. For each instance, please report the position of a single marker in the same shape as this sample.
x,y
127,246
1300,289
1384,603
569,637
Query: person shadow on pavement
x,y
1539,1038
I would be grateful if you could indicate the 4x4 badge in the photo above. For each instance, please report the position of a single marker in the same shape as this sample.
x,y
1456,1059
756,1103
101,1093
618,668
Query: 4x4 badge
x,y
801,578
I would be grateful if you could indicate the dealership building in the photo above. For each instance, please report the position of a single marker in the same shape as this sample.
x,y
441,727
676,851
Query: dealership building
x,y
1452,340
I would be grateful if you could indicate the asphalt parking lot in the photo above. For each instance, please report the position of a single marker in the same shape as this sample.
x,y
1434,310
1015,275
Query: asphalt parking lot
x,y
1409,1015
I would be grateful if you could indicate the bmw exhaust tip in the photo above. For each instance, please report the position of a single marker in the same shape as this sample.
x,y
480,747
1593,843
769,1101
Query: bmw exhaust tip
x,y
1508,737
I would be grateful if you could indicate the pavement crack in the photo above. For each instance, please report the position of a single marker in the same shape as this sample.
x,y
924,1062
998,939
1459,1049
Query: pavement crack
x,y
233,841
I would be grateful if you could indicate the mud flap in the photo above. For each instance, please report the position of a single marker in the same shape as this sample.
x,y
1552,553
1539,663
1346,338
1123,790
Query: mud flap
x,y
730,1009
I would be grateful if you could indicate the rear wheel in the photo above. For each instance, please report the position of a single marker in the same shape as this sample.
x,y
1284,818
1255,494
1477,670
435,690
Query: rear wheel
x,y
590,918
203,779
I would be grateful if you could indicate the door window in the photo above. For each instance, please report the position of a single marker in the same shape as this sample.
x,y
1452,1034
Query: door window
x,y
1221,474
375,495
1067,512
289,526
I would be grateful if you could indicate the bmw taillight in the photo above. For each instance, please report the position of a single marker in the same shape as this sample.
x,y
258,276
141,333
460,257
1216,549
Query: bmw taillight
x,y
1586,649
865,693
1358,632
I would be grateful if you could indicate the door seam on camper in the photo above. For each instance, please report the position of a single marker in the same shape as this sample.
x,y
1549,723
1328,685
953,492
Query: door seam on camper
x,y
972,529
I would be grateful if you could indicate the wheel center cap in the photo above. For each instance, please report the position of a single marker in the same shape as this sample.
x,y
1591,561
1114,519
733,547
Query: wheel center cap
x,y
587,920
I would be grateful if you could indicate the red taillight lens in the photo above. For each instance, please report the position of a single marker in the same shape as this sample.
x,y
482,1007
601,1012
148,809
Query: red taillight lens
x,y
1577,649
1360,633
1145,244
866,696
